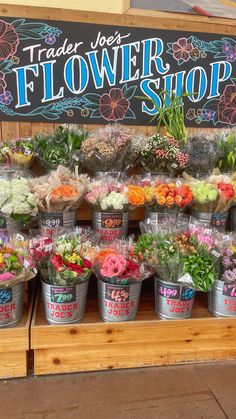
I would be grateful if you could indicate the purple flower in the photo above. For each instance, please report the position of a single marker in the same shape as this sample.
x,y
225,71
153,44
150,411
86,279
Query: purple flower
x,y
6,98
208,115
227,48
231,57
228,252
229,276
50,39
226,261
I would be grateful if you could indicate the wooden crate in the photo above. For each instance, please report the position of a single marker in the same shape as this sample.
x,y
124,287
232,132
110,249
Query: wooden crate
x,y
147,341
15,344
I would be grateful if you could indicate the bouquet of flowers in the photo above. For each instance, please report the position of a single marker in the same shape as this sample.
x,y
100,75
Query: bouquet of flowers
x,y
72,259
61,190
108,193
204,152
15,265
59,148
162,154
228,262
212,194
18,152
16,199
117,264
41,249
227,146
188,257
109,149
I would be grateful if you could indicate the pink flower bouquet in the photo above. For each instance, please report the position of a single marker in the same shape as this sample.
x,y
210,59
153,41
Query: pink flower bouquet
x,y
107,193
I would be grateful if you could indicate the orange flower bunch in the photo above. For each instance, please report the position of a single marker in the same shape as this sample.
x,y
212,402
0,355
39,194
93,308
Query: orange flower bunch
x,y
136,195
170,195
65,191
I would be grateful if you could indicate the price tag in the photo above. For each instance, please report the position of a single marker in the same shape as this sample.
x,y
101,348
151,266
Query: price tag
x,y
109,220
229,289
52,220
3,223
5,295
169,291
63,294
219,220
117,294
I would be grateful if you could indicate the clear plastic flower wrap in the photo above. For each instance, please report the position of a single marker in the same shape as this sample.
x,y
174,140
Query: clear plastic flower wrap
x,y
212,194
228,262
109,149
59,147
108,193
15,264
18,152
60,190
203,151
17,200
117,264
227,147
186,256
72,259
162,154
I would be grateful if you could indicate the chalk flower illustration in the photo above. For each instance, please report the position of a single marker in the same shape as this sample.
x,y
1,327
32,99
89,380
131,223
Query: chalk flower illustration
x,y
8,40
227,105
3,84
50,39
113,105
6,98
182,50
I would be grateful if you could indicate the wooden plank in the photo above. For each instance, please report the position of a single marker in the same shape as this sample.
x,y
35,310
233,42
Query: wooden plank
x,y
25,129
153,20
10,130
13,364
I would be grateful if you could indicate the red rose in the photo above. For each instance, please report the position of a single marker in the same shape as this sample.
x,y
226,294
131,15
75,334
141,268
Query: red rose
x,y
8,40
87,264
57,262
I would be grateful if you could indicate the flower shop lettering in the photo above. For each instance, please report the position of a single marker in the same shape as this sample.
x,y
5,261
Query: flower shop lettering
x,y
92,73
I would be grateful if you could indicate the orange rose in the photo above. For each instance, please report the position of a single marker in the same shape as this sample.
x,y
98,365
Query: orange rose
x,y
169,201
136,195
178,200
161,200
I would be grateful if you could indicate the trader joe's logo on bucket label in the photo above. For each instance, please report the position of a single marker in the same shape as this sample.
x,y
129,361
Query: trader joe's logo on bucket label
x,y
5,295
176,300
111,220
63,294
117,301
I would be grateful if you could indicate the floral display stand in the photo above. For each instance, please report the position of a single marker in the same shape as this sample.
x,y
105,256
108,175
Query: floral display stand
x,y
147,341
15,345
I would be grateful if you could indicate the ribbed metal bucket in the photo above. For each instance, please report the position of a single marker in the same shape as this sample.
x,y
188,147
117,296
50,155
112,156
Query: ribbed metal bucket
x,y
65,305
217,219
163,217
232,215
8,226
118,303
11,305
50,222
110,225
222,299
173,301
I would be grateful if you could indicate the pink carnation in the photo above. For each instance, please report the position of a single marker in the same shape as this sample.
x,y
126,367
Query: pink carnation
x,y
113,265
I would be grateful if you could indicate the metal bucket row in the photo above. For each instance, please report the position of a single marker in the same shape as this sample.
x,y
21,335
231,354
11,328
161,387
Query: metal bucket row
x,y
217,220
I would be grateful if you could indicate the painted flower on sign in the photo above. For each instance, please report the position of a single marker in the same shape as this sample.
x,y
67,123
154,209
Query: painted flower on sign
x,y
50,39
182,50
114,105
6,98
8,40
227,105
3,84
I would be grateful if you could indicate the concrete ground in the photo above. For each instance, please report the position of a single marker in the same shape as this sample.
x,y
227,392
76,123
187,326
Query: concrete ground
x,y
201,391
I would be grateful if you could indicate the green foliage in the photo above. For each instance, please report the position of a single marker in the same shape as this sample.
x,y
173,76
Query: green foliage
x,y
227,145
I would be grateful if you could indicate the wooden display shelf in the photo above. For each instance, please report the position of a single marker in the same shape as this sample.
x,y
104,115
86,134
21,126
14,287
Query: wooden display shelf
x,y
15,344
147,341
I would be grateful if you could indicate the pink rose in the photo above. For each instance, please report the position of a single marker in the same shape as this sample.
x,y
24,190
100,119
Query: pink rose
x,y
113,265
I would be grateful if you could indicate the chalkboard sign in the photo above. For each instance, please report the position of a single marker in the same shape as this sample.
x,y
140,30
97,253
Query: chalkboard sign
x,y
3,223
109,220
93,73
52,219
5,295
117,294
63,294
170,291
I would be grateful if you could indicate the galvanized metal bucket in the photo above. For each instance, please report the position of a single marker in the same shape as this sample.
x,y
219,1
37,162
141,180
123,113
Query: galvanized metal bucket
x,y
9,226
217,219
173,301
162,217
222,299
65,305
50,222
118,303
110,225
11,305
232,215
